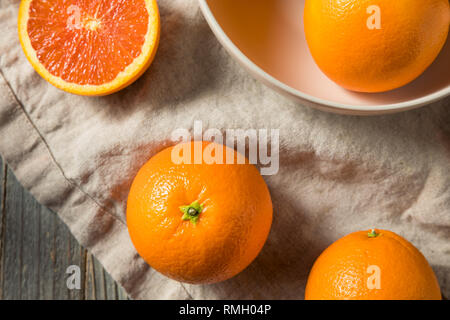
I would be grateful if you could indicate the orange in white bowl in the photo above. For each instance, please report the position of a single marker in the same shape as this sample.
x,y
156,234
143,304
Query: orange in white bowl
x,y
267,38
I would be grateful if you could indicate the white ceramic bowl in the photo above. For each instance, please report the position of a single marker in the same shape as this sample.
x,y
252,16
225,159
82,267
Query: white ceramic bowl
x,y
266,37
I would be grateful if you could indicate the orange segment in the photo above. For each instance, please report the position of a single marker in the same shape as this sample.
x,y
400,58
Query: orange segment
x,y
89,47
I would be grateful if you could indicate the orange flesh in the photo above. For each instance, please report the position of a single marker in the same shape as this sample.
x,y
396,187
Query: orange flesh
x,y
109,36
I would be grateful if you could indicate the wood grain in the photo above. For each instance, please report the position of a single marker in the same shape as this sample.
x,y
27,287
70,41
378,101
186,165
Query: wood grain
x,y
36,248
2,218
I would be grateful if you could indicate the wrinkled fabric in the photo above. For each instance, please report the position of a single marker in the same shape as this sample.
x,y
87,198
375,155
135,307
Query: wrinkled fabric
x,y
338,174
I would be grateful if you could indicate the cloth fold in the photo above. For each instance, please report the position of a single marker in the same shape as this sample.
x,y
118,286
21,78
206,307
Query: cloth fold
x,y
338,174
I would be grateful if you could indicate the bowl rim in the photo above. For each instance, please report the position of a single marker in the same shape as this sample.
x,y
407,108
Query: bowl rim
x,y
259,72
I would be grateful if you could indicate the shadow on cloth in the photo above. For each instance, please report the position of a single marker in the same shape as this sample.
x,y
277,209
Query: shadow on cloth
x,y
280,264
181,71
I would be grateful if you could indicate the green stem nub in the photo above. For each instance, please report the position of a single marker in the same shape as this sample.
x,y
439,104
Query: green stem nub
x,y
373,234
192,212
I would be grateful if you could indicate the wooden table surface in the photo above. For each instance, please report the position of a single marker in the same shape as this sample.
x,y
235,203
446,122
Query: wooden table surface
x,y
36,248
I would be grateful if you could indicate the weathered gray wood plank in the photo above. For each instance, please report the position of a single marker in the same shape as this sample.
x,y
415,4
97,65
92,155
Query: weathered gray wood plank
x,y
13,240
89,291
2,215
121,293
62,261
46,255
36,248
110,286
101,286
76,256
30,241
100,281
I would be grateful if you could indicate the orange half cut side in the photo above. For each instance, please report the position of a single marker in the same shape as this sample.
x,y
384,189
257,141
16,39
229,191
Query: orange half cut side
x,y
89,47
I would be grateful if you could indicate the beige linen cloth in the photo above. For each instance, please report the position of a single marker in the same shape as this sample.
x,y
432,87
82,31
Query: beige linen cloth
x,y
338,174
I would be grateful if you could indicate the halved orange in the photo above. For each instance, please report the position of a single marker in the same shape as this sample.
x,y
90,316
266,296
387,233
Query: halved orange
x,y
89,47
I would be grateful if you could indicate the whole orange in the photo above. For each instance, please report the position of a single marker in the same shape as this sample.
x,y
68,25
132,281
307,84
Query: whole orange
x,y
375,46
196,220
372,265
